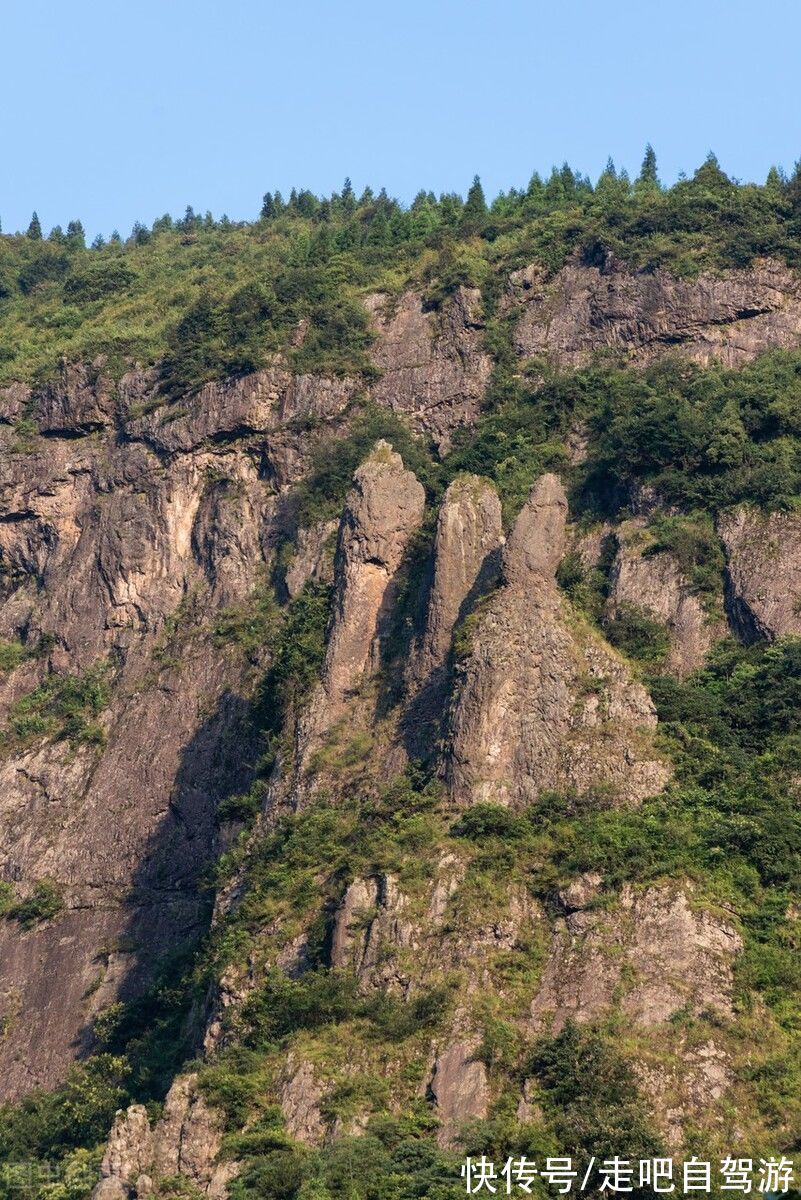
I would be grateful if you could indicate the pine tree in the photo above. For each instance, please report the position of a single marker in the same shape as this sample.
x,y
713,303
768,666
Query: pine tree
x,y
35,229
794,189
648,174
76,235
476,205
348,198
267,207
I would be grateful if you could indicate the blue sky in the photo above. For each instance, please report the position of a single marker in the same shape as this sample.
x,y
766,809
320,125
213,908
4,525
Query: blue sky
x,y
119,112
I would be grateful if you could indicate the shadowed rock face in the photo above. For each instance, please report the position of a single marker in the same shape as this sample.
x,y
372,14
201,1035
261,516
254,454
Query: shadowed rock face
x,y
542,704
104,543
764,573
645,314
122,547
465,563
167,508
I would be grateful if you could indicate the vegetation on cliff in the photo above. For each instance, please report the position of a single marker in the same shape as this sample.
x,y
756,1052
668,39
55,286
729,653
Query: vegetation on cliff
x,y
207,297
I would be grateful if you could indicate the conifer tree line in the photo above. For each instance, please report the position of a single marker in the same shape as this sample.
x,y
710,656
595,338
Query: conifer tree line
x,y
563,188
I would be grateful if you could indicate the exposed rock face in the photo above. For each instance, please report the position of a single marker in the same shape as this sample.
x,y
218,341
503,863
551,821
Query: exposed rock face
x,y
382,510
352,922
459,1087
644,314
121,548
14,401
184,1141
104,543
689,1091
261,403
466,560
311,561
80,399
372,929
764,572
434,369
301,1096
655,949
541,704
655,584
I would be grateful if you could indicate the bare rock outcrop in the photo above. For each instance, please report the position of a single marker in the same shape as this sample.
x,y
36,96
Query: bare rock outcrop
x,y
764,572
652,955
654,583
185,1142
372,928
466,561
643,314
351,923
79,399
301,1096
260,403
541,702
311,561
459,1087
383,509
433,367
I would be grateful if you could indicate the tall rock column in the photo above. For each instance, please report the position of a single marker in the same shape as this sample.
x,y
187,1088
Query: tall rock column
x,y
465,562
382,511
542,703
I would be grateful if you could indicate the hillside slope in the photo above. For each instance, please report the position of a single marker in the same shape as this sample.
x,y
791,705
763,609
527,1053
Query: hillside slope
x,y
400,735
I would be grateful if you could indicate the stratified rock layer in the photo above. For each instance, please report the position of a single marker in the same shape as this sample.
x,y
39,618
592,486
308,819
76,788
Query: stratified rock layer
x,y
645,314
433,366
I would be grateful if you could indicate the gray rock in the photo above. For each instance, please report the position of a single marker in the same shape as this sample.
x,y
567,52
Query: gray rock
x,y
644,314
764,572
460,1088
652,956
541,703
301,1096
433,367
655,584
383,508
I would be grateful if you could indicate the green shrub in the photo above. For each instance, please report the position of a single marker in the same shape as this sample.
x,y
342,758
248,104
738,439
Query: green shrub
x,y
297,654
98,277
696,547
590,1094
44,903
63,706
11,655
637,633
250,625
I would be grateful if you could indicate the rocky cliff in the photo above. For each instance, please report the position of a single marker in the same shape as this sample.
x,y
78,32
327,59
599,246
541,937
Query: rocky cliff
x,y
134,532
